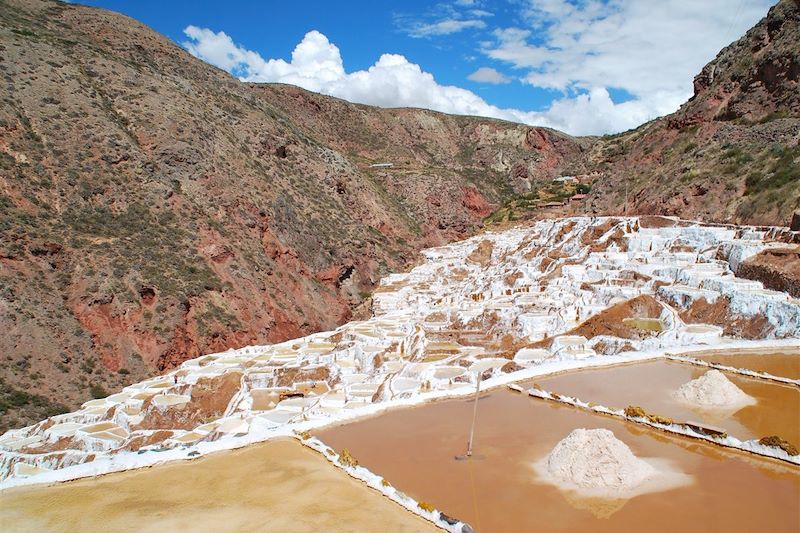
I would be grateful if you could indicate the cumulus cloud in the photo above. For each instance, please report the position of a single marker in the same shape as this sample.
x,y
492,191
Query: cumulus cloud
x,y
392,81
317,65
488,75
584,50
649,49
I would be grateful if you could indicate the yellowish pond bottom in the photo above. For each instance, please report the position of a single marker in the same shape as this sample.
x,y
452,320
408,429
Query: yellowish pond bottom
x,y
276,486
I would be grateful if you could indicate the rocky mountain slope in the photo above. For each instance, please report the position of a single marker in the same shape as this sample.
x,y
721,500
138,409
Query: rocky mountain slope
x,y
732,152
153,208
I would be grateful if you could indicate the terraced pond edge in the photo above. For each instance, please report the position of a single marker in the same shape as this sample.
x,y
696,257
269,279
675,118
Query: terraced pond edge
x,y
726,441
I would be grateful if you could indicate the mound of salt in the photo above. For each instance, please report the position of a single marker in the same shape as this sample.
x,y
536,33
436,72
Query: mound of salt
x,y
713,390
595,461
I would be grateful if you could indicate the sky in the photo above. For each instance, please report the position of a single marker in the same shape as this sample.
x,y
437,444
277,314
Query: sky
x,y
586,67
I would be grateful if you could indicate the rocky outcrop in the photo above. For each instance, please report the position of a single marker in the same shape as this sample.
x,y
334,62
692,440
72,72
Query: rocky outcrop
x,y
718,313
778,269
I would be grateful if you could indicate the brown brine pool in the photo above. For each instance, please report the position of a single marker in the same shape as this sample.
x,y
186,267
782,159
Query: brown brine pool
x,y
785,365
414,449
650,385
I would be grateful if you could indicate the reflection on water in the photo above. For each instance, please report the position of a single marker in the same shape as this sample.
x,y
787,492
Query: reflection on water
x,y
414,449
599,507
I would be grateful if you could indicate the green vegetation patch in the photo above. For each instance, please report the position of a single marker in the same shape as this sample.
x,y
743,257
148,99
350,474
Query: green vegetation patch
x,y
784,169
150,244
33,406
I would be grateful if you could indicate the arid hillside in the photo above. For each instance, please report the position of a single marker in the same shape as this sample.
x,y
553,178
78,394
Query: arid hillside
x,y
153,208
732,152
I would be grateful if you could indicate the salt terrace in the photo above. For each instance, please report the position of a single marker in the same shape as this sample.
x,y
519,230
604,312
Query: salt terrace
x,y
506,306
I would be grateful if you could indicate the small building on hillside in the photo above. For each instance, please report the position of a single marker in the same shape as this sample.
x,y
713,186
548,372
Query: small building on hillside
x,y
577,198
381,165
566,179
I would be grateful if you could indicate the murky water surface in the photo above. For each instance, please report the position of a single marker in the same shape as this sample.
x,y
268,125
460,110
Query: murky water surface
x,y
785,365
650,385
415,448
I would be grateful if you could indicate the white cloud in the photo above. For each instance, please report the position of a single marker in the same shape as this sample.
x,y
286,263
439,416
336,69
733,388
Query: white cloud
x,y
649,49
317,65
444,18
488,75
393,81
216,48
444,27
480,13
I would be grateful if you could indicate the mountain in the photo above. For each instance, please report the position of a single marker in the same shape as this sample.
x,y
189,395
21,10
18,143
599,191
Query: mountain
x,y
729,154
153,208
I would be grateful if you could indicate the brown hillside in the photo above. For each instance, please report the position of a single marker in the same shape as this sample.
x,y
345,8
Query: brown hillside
x,y
153,208
731,153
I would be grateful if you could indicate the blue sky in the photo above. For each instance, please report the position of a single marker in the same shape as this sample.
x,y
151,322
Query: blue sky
x,y
582,66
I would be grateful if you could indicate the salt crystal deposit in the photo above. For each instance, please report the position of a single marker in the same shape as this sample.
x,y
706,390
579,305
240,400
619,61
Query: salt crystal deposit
x,y
596,463
713,390
433,331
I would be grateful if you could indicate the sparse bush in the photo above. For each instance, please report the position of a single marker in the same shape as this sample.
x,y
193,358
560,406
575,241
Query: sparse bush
x,y
97,391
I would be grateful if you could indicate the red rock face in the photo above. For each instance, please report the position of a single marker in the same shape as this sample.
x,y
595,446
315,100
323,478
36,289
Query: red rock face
x,y
778,269
475,202
536,139
552,149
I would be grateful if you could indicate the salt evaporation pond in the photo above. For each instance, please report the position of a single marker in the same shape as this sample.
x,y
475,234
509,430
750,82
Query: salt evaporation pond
x,y
651,385
785,365
414,449
276,486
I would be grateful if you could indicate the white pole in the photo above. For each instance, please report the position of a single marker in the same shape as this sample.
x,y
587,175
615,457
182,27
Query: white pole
x,y
474,415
